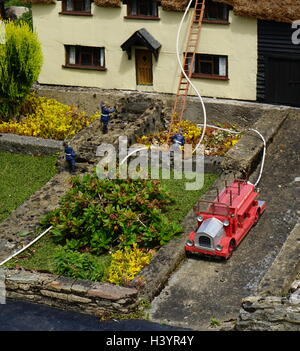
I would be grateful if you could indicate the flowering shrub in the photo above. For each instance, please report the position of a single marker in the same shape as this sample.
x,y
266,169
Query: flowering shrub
x,y
217,142
49,119
100,214
126,264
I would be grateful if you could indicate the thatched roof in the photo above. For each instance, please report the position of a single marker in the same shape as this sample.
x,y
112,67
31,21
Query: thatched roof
x,y
108,3
174,5
270,10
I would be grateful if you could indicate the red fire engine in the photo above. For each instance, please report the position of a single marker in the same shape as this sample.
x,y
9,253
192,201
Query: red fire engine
x,y
225,221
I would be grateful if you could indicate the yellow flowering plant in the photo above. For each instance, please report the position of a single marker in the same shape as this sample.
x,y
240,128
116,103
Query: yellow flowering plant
x,y
48,119
127,263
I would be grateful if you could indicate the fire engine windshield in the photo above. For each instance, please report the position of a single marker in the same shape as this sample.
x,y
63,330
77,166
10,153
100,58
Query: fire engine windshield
x,y
215,208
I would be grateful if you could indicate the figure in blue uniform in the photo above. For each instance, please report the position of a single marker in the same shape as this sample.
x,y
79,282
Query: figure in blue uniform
x,y
105,116
178,140
70,157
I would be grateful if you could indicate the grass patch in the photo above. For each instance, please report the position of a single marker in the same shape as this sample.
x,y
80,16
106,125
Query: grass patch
x,y
20,177
184,200
41,256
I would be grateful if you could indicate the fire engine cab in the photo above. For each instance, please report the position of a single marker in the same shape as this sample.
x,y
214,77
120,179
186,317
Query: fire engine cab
x,y
224,222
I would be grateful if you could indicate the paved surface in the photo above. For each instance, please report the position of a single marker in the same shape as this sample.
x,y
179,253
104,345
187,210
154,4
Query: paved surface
x,y
202,289
26,316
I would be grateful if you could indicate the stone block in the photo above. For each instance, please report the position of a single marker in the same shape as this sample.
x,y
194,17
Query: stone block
x,y
111,292
60,284
23,277
55,295
78,299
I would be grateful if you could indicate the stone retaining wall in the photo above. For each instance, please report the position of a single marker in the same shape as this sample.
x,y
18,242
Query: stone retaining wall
x,y
271,313
276,304
239,113
100,299
18,144
133,118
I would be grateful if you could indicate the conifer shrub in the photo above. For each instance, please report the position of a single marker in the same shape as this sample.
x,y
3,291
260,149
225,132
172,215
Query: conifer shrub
x,y
20,65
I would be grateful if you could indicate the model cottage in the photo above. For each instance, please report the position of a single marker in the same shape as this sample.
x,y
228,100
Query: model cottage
x,y
245,49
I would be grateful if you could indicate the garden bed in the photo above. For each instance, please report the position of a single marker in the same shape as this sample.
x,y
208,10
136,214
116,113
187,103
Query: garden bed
x,y
45,256
47,119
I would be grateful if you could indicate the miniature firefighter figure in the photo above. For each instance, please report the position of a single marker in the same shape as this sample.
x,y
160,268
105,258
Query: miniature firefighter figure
x,y
178,140
70,157
105,116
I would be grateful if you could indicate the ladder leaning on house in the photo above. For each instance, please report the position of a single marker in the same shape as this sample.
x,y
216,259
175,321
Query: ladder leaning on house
x,y
188,61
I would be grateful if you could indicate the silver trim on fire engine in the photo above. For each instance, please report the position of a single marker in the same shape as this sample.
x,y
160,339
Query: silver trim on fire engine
x,y
209,234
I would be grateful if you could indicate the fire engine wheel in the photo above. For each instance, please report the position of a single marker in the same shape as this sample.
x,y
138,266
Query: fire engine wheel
x,y
231,247
188,254
257,217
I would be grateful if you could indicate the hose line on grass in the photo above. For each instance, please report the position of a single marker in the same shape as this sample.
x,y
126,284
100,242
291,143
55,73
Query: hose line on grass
x,y
25,247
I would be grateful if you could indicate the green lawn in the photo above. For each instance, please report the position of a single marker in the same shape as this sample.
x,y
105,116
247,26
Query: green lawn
x,y
185,199
20,177
40,256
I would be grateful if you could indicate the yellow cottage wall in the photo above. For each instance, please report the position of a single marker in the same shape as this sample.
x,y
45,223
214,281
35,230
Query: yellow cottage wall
x,y
108,28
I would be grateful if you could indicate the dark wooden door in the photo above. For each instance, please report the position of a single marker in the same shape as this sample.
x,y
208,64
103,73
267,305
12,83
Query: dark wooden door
x,y
283,80
144,74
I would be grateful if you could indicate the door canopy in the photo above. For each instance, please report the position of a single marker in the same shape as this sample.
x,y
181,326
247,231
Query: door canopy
x,y
141,38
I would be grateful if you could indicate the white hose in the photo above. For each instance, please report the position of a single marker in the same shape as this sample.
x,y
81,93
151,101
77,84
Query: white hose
x,y
25,247
247,129
263,157
133,152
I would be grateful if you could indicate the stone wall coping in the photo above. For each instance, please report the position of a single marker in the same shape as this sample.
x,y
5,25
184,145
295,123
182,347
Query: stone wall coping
x,y
33,285
246,152
29,145
61,283
279,277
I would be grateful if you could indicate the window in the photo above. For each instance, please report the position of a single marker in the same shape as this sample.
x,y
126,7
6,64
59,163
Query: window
x,y
145,9
85,57
76,7
209,66
216,12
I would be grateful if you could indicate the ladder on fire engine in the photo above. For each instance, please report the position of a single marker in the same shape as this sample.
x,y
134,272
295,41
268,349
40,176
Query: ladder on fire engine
x,y
188,62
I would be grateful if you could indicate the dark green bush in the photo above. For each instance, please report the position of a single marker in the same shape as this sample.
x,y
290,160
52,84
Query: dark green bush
x,y
99,214
79,265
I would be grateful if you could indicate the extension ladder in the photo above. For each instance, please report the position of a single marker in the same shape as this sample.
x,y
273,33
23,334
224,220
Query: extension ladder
x,y
188,62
